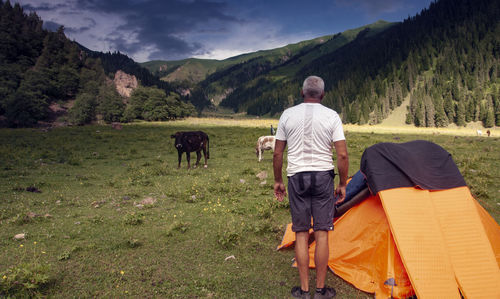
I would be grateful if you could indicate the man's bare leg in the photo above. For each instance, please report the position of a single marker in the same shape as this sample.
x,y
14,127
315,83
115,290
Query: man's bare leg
x,y
302,258
321,257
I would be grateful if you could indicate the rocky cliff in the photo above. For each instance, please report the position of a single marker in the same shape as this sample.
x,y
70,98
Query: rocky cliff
x,y
125,83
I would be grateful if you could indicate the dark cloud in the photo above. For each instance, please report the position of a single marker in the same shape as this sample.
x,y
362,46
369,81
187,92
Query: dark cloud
x,y
91,24
51,26
195,48
73,30
373,7
161,24
44,7
91,21
168,46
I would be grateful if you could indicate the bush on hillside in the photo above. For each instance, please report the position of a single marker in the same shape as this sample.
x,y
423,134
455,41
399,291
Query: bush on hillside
x,y
29,103
83,112
152,104
109,104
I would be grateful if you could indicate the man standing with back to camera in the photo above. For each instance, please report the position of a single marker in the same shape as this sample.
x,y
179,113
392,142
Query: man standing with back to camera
x,y
311,130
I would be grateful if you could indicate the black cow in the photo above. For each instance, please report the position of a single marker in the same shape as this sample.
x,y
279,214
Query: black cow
x,y
192,142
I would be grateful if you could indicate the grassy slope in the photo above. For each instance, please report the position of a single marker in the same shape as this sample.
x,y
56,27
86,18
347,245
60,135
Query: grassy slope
x,y
187,69
92,177
397,117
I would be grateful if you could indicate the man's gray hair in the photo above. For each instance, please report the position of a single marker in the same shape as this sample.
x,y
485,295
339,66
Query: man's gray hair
x,y
313,87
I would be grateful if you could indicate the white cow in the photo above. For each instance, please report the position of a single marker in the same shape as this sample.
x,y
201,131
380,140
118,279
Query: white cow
x,y
264,143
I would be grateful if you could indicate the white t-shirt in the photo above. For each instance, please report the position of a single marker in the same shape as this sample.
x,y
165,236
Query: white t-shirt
x,y
310,129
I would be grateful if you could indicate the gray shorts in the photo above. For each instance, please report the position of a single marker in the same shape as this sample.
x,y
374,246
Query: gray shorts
x,y
311,195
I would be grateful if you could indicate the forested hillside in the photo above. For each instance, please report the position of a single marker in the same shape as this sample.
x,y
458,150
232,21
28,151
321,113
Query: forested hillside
x,y
43,76
112,62
238,86
446,59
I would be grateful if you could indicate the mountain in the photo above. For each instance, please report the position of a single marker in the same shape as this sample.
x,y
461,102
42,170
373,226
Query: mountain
x,y
445,60
195,70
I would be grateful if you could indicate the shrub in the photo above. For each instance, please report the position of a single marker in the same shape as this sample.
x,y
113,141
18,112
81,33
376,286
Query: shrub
x,y
83,112
228,238
229,234
134,219
24,280
133,243
151,103
109,104
179,226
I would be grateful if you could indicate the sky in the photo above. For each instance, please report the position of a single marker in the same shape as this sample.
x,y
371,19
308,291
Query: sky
x,y
213,29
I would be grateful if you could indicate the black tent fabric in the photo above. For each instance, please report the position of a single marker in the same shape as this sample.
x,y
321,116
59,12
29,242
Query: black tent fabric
x,y
416,163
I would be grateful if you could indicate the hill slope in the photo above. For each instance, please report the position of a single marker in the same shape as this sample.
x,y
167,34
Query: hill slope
x,y
195,70
192,70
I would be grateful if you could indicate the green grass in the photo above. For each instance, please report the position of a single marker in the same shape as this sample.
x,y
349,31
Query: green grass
x,y
93,238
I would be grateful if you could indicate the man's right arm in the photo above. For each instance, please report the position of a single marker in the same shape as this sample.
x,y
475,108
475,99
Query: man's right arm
x,y
279,186
343,167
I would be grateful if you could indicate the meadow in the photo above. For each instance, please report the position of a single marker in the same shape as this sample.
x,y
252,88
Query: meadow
x,y
106,213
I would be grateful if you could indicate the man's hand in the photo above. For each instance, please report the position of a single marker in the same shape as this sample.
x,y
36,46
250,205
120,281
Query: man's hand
x,y
279,191
340,194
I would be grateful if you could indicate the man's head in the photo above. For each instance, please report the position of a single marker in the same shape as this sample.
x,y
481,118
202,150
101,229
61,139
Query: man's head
x,y
313,87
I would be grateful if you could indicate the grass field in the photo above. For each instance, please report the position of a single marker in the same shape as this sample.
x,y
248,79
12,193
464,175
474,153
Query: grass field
x,y
114,217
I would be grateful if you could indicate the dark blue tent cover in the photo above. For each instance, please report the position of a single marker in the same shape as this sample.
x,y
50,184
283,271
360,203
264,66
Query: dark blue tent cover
x,y
418,163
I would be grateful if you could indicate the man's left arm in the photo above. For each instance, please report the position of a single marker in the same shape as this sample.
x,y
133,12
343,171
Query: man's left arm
x,y
343,168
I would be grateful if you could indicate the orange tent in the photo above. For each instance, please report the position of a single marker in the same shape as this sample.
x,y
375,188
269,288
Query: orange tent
x,y
364,253
407,240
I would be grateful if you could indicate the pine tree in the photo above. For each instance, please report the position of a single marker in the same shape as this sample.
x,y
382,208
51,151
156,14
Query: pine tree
x,y
409,116
461,115
429,112
490,118
496,104
420,114
471,110
449,108
441,120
